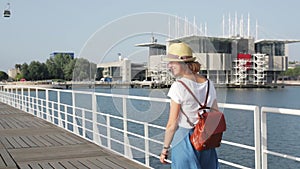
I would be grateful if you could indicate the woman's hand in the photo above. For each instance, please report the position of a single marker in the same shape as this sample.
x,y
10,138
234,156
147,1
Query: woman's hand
x,y
164,156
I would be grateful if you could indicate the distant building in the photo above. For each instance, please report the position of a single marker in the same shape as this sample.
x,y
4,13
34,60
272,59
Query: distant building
x,y
239,61
12,73
156,69
294,65
71,54
228,61
122,70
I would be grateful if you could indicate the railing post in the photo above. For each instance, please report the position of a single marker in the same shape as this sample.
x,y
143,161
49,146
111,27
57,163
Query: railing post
x,y
75,127
264,155
83,123
95,126
19,98
23,98
14,98
127,149
108,131
60,123
257,138
147,149
47,106
30,100
38,113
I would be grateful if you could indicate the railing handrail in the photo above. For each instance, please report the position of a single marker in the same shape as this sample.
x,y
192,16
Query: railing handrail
x,y
264,149
29,103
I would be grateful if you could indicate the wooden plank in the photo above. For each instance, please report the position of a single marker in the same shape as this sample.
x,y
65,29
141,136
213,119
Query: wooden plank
x,y
77,164
1,145
75,139
1,126
7,158
34,165
20,142
36,141
88,163
35,124
106,162
63,140
42,140
57,152
5,143
20,124
13,142
11,123
2,162
28,141
46,165
60,139
67,164
50,140
5,125
102,165
58,165
24,166
116,160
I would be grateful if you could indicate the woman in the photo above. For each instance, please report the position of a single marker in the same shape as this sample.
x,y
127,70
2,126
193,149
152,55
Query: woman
x,y
183,66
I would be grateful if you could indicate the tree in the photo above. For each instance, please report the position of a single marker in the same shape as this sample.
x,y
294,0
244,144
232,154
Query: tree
x,y
25,71
84,70
3,76
18,66
19,76
293,73
37,71
68,70
56,65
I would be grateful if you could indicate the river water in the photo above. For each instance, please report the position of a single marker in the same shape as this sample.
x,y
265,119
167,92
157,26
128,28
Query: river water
x,y
283,130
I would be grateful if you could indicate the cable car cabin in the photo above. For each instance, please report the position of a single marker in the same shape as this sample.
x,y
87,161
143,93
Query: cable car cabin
x,y
6,13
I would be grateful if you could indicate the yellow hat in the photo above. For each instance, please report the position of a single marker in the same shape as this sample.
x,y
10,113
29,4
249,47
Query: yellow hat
x,y
179,52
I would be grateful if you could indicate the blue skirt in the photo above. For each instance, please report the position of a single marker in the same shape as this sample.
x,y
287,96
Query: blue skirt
x,y
184,156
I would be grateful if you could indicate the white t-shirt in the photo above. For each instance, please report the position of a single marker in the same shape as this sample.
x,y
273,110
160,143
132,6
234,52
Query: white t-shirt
x,y
179,94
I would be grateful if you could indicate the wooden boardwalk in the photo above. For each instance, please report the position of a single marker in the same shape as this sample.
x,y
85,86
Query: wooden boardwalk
x,y
28,142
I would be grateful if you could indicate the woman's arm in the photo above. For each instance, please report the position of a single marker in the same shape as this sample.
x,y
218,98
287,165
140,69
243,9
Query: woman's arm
x,y
170,129
215,105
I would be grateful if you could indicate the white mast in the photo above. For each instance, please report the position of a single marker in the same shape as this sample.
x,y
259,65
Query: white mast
x,y
223,25
185,26
229,26
169,24
194,25
242,26
235,24
175,27
178,24
201,30
232,28
256,30
205,29
248,33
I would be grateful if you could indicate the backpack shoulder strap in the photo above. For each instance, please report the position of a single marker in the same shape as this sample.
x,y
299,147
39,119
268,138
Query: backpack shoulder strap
x,y
204,106
201,106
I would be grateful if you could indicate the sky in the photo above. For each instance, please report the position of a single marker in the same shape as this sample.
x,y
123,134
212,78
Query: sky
x,y
37,28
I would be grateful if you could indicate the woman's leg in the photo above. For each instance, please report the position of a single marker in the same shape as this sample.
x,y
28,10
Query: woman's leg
x,y
208,159
183,156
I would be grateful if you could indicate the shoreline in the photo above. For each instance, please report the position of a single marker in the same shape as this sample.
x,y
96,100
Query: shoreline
x,y
70,85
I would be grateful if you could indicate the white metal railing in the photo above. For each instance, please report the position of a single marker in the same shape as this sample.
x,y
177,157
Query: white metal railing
x,y
265,151
76,120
